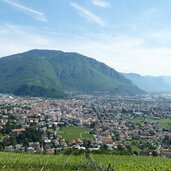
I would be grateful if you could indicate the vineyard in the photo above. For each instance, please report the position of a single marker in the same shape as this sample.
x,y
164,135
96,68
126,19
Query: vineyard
x,y
84,162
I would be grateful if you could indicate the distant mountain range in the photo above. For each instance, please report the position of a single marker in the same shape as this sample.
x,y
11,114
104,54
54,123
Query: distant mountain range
x,y
150,83
167,79
50,73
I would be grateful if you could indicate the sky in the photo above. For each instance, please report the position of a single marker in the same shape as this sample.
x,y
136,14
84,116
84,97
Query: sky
x,y
128,35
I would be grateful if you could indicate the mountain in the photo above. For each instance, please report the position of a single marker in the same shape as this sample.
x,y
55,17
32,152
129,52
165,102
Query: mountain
x,y
149,83
167,79
49,73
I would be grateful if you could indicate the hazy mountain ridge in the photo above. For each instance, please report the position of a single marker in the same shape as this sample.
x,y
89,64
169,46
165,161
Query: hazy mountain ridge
x,y
167,79
49,73
149,83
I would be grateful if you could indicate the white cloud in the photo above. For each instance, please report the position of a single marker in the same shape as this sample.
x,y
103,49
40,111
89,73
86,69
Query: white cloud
x,y
101,3
35,14
88,15
123,53
18,38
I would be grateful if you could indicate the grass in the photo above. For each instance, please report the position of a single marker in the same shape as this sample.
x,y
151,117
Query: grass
x,y
37,162
87,136
163,122
138,121
135,148
2,137
70,133
134,163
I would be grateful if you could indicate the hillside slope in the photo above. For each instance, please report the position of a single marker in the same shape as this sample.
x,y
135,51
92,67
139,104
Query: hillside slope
x,y
49,73
167,79
149,83
22,161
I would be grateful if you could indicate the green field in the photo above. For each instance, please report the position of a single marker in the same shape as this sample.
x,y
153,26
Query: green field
x,y
70,133
163,122
135,163
40,162
137,121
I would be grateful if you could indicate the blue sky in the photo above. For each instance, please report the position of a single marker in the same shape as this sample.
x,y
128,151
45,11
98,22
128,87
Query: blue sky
x,y
128,35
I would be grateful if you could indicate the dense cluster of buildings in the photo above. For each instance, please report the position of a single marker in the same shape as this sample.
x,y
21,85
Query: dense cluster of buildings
x,y
116,122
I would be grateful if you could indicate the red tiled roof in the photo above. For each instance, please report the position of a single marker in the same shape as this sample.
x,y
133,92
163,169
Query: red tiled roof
x,y
18,130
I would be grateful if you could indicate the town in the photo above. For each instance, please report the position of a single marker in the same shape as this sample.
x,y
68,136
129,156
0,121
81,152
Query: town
x,y
133,125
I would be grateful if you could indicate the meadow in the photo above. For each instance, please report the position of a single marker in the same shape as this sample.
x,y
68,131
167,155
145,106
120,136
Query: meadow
x,y
70,133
